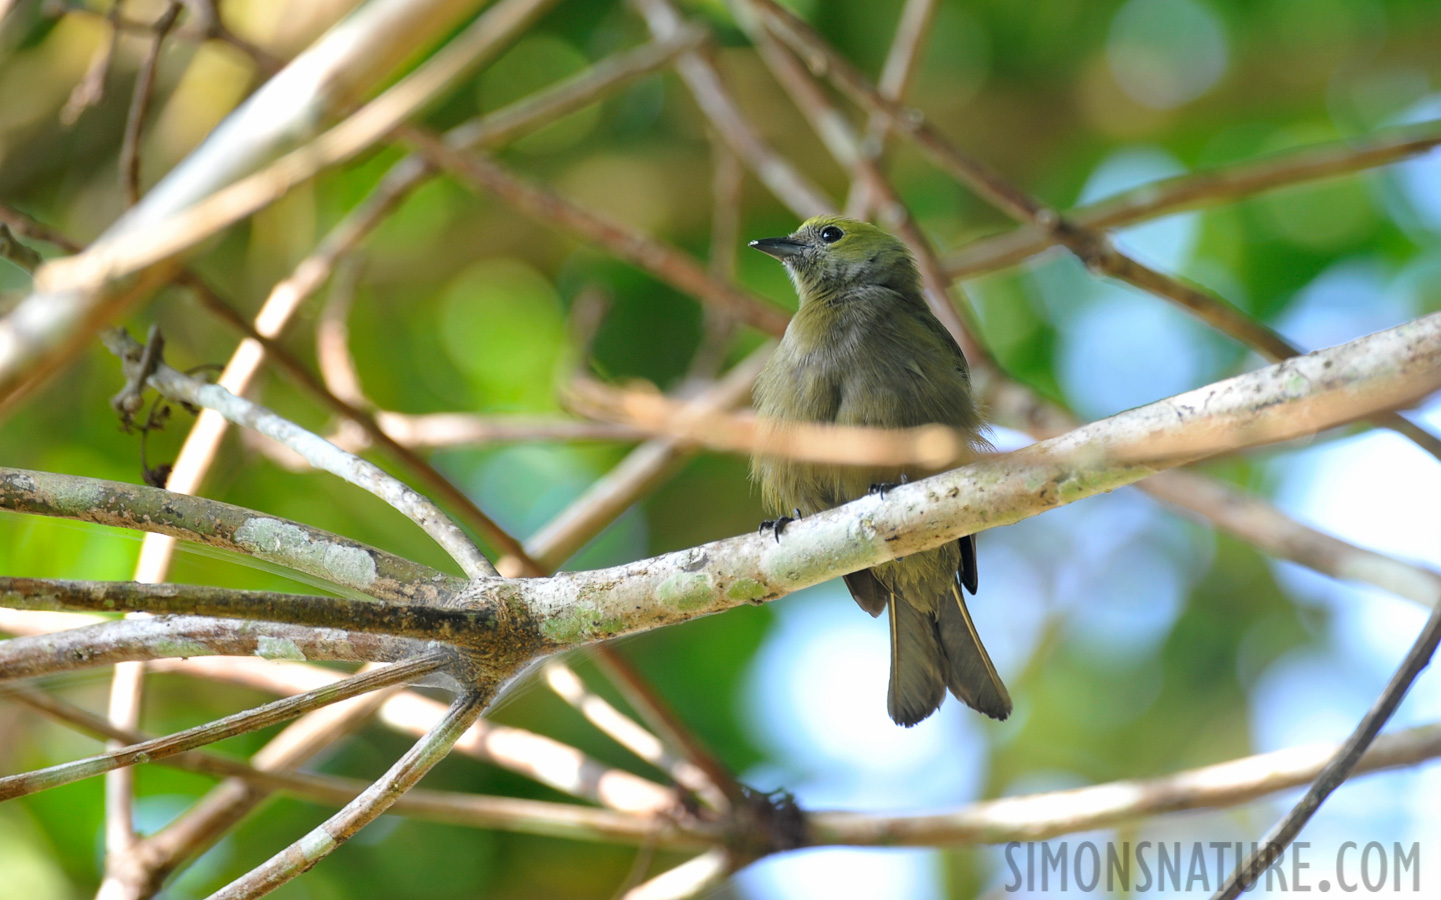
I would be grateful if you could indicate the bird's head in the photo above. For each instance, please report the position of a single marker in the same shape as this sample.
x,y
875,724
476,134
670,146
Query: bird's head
x,y
828,254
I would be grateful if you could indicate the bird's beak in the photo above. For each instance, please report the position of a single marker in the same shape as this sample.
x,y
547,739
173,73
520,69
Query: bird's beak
x,y
781,248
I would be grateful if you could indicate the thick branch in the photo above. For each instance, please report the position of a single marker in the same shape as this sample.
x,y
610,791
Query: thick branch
x,y
338,560
1300,396
418,621
184,637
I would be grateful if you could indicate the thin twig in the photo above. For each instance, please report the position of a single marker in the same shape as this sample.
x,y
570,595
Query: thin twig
x,y
1159,198
1030,817
641,470
1341,764
227,803
641,250
533,756
649,411
788,184
642,695
12,249
419,621
332,337
455,429
91,88
302,855
627,732
264,777
1038,817
687,879
126,694
140,102
319,453
12,786
1267,529
193,31
912,30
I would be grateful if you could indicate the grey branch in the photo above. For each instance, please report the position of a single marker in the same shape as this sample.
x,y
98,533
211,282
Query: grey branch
x,y
185,637
317,451
48,326
241,723
338,560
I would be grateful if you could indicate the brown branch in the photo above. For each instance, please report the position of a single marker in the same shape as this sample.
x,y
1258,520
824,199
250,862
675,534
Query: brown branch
x,y
91,88
338,371
18,253
901,61
261,779
1159,198
639,249
140,102
831,126
784,181
159,854
302,855
1038,817
454,429
644,468
107,642
928,446
48,327
642,695
534,756
625,731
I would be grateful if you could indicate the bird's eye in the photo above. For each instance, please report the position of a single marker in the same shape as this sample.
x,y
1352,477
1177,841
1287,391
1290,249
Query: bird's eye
x,y
830,234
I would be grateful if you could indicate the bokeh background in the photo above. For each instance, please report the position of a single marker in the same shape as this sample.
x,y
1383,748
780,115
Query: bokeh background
x,y
1134,642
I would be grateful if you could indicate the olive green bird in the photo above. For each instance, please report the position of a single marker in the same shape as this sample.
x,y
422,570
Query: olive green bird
x,y
864,349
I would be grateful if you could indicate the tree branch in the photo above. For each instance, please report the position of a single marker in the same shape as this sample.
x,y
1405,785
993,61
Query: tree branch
x,y
1300,396
12,786
1038,817
302,855
318,452
338,560
50,325
418,621
1183,192
1341,764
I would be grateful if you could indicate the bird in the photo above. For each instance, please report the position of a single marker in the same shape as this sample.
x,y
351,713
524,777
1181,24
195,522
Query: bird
x,y
865,349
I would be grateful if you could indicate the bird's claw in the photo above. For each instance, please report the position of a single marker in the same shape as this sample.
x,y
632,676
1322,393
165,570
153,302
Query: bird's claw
x,y
882,487
778,525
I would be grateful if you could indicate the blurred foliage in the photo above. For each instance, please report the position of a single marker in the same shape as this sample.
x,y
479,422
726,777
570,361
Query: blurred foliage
x,y
463,304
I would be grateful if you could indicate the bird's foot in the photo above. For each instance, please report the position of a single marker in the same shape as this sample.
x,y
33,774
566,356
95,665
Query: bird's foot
x,y
776,526
885,486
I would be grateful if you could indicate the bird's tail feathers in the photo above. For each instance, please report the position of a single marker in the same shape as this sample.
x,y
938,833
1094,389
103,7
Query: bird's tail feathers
x,y
969,672
917,683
